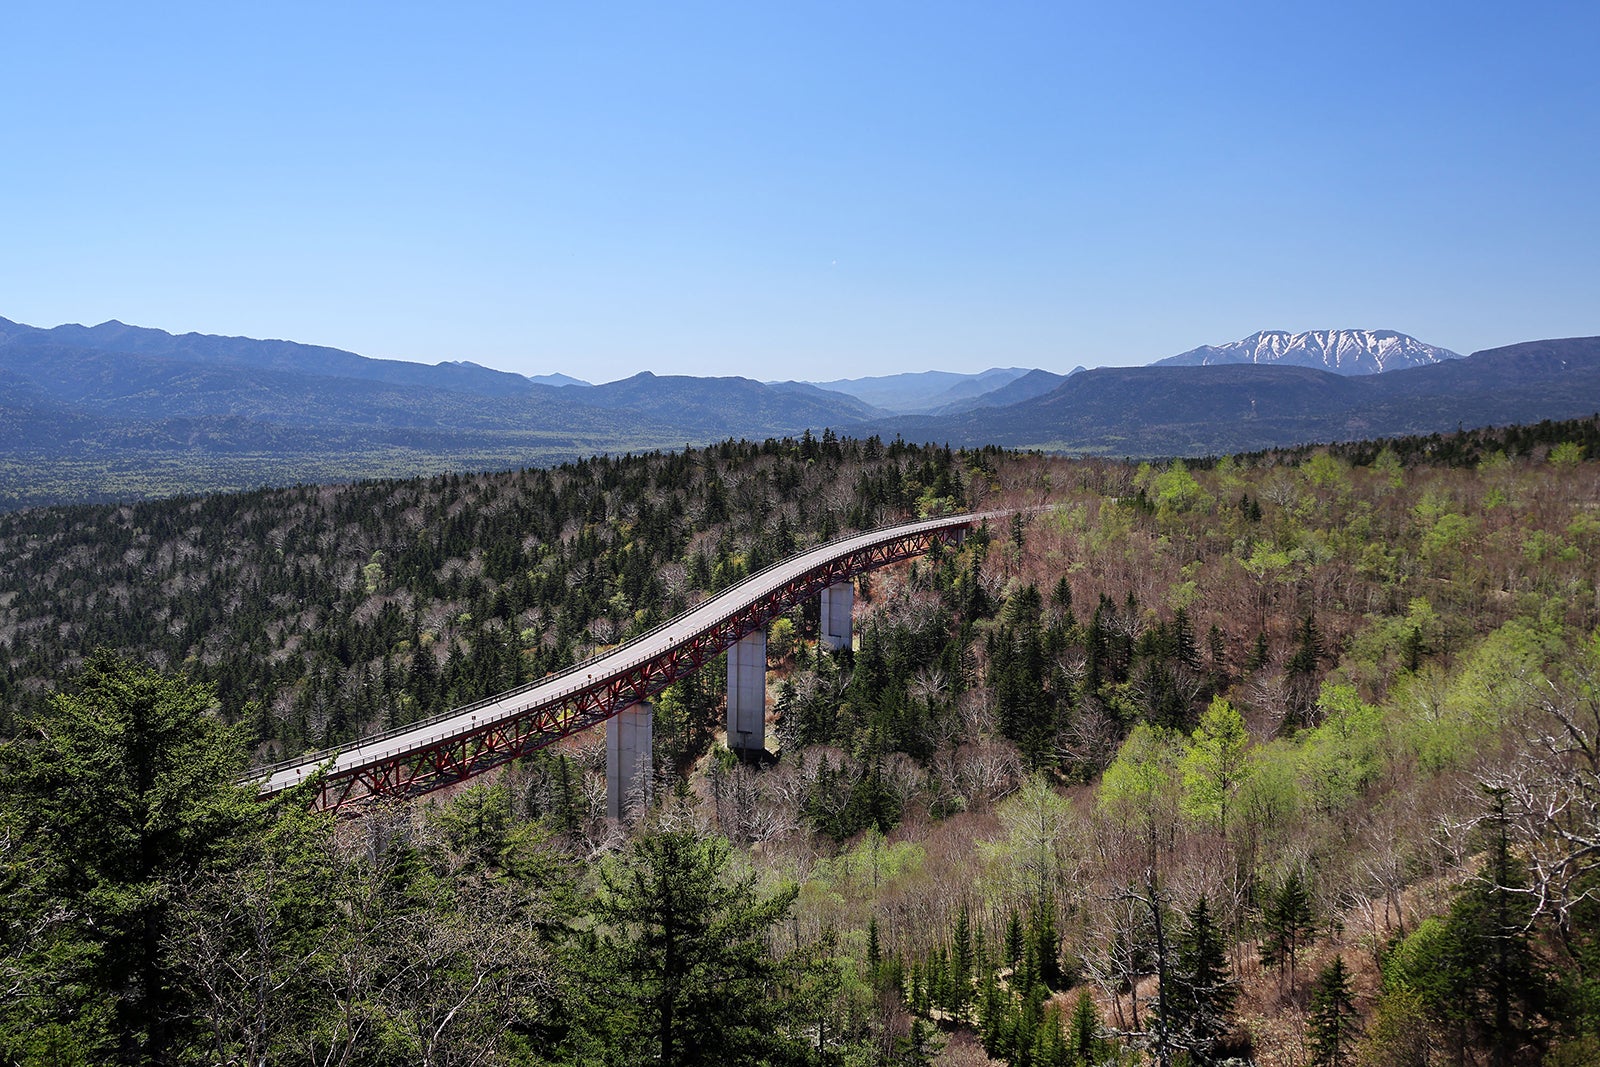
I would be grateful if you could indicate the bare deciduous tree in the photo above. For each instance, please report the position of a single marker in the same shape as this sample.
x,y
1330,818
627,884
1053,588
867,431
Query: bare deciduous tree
x,y
1553,795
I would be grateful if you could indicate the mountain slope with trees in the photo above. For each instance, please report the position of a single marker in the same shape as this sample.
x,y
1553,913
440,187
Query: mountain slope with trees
x,y
1255,756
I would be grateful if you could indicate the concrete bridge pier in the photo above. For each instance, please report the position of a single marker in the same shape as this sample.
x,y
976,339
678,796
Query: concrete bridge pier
x,y
838,600
747,695
630,733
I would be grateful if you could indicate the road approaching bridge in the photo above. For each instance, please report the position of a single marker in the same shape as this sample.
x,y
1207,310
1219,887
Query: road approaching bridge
x,y
437,752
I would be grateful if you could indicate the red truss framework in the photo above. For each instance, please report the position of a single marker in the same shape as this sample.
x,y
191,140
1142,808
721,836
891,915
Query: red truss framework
x,y
477,748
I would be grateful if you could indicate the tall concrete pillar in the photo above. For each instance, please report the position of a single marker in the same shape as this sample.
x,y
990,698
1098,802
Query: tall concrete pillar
x,y
837,601
747,694
629,736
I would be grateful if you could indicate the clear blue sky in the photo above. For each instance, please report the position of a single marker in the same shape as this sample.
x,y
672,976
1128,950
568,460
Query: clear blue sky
x,y
801,190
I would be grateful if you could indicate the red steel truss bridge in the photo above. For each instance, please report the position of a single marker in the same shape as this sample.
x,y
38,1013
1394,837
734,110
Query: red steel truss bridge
x,y
440,751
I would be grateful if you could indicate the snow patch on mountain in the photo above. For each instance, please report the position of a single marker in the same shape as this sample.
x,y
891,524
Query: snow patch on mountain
x,y
1340,351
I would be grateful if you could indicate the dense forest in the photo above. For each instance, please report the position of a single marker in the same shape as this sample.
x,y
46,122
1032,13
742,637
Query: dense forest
x,y
320,613
1287,757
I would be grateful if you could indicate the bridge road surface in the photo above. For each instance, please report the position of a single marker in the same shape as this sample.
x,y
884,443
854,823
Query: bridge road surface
x,y
558,688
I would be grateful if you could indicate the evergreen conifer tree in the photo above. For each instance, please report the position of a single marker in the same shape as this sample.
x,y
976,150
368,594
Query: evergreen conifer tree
x,y
1014,940
1500,988
1333,1017
125,788
1289,926
683,955
1084,1042
1200,1003
961,963
1046,942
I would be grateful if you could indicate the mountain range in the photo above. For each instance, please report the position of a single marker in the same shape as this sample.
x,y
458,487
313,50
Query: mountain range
x,y
116,411
1339,351
922,392
1229,408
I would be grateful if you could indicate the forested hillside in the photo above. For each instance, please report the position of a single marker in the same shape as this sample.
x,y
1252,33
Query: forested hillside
x,y
1290,756
320,613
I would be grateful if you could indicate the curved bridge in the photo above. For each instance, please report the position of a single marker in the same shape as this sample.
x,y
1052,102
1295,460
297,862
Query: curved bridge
x,y
437,752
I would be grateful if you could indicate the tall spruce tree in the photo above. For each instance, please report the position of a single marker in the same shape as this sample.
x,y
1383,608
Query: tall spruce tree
x,y
1505,989
123,789
1475,972
1290,926
1200,1002
682,959
1084,1041
1333,1017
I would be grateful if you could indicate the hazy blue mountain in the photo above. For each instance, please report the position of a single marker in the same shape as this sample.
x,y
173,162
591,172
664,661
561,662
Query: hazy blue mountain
x,y
284,356
557,379
849,408
979,385
1339,351
921,390
127,385
116,411
729,406
1032,384
127,372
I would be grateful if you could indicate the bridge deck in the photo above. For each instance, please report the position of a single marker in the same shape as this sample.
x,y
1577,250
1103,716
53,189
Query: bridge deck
x,y
594,690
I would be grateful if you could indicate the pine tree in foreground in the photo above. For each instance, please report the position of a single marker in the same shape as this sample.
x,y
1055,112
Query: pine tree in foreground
x,y
683,955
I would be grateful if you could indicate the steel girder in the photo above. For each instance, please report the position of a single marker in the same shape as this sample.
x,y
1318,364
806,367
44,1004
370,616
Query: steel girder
x,y
478,748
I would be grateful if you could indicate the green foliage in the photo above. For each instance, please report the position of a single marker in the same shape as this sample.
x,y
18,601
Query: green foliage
x,y
1339,759
1567,454
781,639
1448,534
1326,472
1174,489
1387,465
1027,861
1399,1033
1448,718
1391,644
1269,798
681,955
1140,790
1215,765
120,794
1333,1024
1415,964
1201,992
1288,925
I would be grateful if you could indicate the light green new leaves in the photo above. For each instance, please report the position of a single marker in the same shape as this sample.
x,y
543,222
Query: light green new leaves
x,y
1214,765
1140,790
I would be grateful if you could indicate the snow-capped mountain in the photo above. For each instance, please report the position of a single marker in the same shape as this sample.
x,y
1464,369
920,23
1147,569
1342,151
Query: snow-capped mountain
x,y
1339,351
